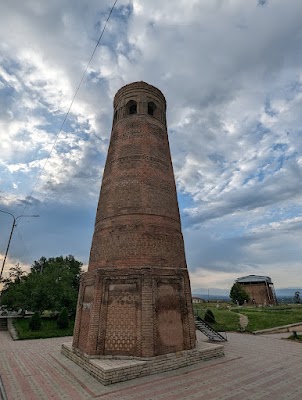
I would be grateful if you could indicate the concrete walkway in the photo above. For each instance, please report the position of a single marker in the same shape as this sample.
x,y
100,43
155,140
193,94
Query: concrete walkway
x,y
243,321
255,367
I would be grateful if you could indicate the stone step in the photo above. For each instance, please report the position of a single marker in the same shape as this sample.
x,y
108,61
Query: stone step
x,y
3,324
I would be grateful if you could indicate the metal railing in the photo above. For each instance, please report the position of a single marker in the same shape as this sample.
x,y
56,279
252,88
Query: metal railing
x,y
197,314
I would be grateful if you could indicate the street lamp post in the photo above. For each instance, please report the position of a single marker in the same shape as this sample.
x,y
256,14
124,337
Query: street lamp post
x,y
11,234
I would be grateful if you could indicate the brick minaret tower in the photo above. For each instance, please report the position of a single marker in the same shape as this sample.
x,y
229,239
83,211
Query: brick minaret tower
x,y
135,298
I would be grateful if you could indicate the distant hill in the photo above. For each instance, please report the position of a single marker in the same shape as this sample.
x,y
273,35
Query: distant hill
x,y
222,294
287,292
211,297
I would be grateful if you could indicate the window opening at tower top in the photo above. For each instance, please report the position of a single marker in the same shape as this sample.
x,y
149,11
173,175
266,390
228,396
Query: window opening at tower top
x,y
151,108
132,107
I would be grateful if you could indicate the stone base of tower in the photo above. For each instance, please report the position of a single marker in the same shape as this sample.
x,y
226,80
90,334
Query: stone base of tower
x,y
138,312
113,369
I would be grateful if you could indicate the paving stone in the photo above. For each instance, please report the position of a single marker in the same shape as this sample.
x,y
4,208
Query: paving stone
x,y
254,367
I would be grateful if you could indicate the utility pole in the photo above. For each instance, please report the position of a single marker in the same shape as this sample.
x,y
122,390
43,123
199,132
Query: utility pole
x,y
11,235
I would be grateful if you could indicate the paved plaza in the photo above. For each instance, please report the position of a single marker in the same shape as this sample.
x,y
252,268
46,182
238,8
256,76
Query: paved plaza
x,y
254,367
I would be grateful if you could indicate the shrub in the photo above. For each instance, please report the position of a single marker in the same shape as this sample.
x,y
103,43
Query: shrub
x,y
209,317
35,322
63,321
238,294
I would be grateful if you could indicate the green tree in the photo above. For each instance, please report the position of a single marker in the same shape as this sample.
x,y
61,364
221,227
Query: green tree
x,y
12,294
209,317
238,294
15,273
63,320
297,299
35,322
52,284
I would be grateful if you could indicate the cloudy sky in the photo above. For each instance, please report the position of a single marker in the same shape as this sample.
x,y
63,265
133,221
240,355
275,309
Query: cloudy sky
x,y
231,71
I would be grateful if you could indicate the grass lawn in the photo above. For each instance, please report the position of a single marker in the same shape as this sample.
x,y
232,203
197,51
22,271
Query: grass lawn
x,y
225,319
48,329
259,318
264,318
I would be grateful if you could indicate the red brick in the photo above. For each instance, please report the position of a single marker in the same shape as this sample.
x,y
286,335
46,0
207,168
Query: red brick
x,y
135,298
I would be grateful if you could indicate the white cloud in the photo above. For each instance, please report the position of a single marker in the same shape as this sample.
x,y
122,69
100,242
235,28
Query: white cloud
x,y
230,71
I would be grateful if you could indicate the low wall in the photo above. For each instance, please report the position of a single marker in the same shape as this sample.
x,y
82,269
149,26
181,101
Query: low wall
x,y
281,329
11,329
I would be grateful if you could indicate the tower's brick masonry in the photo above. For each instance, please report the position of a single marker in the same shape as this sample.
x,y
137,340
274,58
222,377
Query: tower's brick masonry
x,y
135,298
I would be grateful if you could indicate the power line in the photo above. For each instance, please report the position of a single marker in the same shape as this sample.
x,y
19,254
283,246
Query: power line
x,y
28,256
26,252
68,111
43,205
